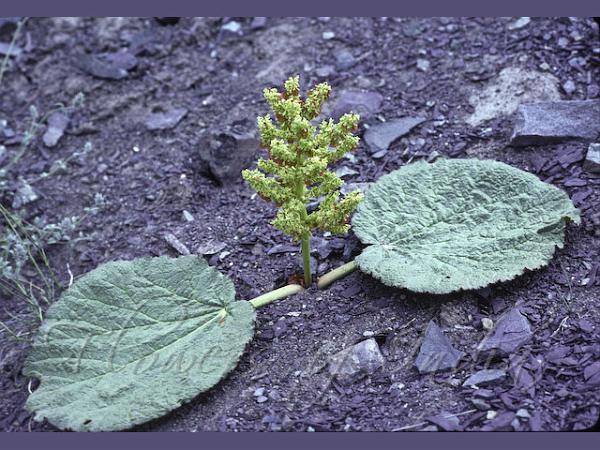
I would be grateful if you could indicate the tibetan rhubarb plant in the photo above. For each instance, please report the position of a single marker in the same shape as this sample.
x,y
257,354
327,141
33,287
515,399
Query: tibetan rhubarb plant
x,y
295,173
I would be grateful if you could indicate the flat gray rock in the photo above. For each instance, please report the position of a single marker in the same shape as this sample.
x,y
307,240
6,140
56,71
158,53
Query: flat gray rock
x,y
109,66
355,362
436,353
379,137
165,120
366,104
511,331
486,376
559,121
57,123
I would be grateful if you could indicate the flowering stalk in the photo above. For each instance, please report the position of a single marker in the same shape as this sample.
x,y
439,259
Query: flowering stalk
x,y
296,171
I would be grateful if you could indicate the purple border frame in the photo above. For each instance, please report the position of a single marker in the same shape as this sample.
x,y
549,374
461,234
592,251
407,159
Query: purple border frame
x,y
301,8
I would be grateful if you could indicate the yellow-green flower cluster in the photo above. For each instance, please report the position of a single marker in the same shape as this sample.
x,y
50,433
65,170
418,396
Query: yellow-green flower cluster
x,y
299,153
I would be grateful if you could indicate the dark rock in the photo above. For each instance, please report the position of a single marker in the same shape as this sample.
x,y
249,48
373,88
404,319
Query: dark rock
x,y
380,137
483,377
167,20
258,23
110,66
436,351
355,362
344,60
551,122
502,422
511,331
226,154
57,123
8,26
592,158
366,104
165,120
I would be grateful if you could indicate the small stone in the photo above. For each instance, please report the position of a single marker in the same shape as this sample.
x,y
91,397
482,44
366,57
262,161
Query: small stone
x,y
261,399
232,27
110,66
8,50
355,362
366,104
258,392
521,22
344,60
481,405
593,90
552,122
226,154
176,244
165,120
381,136
592,158
545,66
345,171
523,413
569,87
436,353
483,377
328,35
368,334
325,71
187,216
563,42
490,415
423,64
24,195
511,331
487,323
57,123
258,23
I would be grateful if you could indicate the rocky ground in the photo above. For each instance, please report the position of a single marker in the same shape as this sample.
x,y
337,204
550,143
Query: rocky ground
x,y
169,111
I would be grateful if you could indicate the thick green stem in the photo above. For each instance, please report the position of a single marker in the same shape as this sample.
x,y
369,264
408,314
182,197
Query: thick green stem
x,y
306,260
336,274
277,294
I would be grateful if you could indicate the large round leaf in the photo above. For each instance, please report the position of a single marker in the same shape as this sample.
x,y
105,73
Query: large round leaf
x,y
458,224
132,340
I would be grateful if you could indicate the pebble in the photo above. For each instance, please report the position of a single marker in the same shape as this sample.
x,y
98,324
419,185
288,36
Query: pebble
x,y
355,362
57,123
328,35
487,323
166,119
258,23
521,22
484,377
379,137
344,60
423,64
187,216
569,87
110,66
232,27
176,244
24,195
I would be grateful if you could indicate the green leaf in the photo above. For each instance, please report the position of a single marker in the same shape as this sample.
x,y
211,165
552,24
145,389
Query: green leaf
x,y
459,224
132,340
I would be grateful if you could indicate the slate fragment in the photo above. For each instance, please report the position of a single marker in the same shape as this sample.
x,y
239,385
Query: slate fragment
x,y
436,351
381,136
109,66
366,104
355,362
512,330
57,123
557,121
165,120
485,377
591,374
